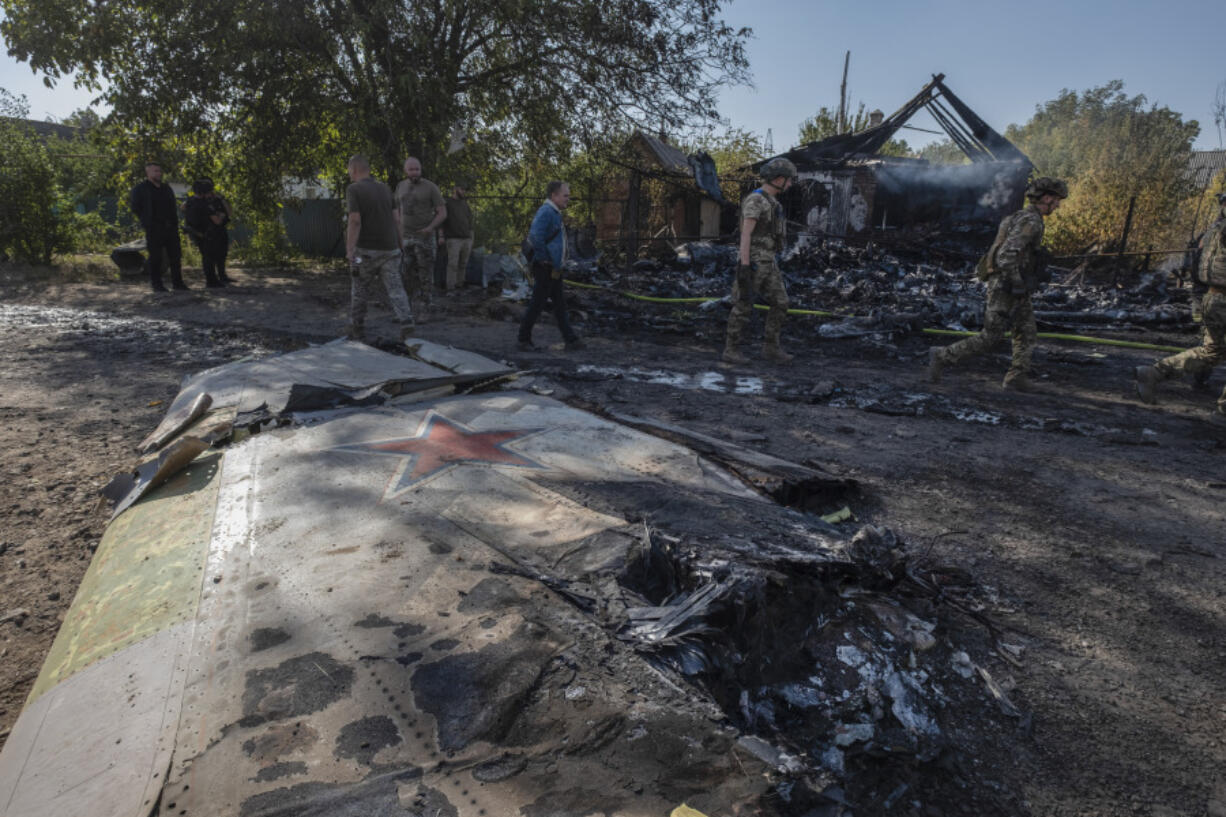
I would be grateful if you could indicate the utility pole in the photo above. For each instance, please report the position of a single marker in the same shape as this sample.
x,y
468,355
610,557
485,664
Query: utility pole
x,y
841,124
1115,275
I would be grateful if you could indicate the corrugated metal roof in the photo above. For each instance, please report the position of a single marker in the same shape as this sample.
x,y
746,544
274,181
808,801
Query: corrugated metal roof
x,y
670,158
47,128
1206,165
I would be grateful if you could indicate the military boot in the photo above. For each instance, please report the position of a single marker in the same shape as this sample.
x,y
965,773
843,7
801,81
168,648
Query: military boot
x,y
935,365
774,354
733,356
1147,379
1017,382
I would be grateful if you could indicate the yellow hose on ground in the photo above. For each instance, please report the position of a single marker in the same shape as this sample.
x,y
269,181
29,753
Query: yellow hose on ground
x,y
1127,344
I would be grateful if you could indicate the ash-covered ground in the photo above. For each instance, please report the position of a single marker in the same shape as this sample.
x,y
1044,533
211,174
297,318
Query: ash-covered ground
x,y
1050,566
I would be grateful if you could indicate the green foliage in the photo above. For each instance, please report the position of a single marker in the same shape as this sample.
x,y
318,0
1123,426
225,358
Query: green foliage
x,y
36,220
945,152
733,152
268,245
824,124
256,92
1111,147
91,233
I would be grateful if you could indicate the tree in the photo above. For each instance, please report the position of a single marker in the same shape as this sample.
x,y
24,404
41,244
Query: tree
x,y
35,220
1111,147
289,87
824,124
944,152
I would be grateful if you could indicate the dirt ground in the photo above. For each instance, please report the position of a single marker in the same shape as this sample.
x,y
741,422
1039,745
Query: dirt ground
x,y
1099,522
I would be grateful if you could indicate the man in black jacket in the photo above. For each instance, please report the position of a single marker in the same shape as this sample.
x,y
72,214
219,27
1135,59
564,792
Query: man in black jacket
x,y
154,204
206,215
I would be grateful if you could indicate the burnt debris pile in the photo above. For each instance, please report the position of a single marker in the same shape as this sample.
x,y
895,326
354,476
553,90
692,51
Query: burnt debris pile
x,y
844,674
923,280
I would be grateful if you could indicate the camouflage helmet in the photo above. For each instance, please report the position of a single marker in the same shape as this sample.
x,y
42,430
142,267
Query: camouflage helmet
x,y
777,167
1046,184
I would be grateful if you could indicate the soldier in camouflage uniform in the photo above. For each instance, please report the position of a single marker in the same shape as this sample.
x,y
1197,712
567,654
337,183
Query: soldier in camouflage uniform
x,y
1212,350
420,210
1012,275
762,235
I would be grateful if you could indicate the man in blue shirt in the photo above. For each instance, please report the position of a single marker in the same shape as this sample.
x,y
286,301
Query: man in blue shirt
x,y
548,238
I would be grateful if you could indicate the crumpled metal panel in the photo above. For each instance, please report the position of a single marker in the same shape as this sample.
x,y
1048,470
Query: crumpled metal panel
x,y
99,743
357,655
341,365
145,576
315,622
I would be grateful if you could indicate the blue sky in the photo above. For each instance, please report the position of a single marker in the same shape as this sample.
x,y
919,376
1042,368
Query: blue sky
x,y
1002,59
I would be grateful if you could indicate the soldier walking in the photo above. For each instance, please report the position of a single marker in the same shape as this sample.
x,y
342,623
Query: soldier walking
x,y
1011,269
762,235
421,210
1212,350
372,245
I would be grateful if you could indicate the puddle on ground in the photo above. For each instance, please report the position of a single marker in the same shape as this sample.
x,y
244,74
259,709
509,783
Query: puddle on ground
x,y
704,381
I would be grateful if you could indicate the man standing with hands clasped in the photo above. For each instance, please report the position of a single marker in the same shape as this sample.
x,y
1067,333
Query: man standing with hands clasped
x,y
421,211
372,245
154,204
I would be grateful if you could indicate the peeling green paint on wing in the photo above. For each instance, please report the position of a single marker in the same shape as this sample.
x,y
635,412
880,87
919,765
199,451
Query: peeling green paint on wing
x,y
146,574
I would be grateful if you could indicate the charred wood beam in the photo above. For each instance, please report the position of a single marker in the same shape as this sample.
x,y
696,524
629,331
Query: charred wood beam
x,y
916,102
957,137
977,151
1000,147
960,125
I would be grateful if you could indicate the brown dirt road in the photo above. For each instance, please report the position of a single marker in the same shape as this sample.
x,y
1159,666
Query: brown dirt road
x,y
1099,522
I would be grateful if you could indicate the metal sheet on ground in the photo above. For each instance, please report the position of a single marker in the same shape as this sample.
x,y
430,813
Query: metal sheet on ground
x,y
145,576
339,366
452,359
313,622
99,743
357,649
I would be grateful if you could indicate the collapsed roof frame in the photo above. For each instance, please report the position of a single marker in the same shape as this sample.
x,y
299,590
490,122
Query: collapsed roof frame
x,y
971,134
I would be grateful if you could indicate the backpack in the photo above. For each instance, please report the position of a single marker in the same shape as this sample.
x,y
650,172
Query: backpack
x,y
986,266
1212,269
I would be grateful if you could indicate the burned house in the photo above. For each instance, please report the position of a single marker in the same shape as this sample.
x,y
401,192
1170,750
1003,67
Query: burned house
x,y
663,195
847,189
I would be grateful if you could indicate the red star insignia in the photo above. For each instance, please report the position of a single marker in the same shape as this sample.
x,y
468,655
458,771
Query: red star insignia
x,y
440,445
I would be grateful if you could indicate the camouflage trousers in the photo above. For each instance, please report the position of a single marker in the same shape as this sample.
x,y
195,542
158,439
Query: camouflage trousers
x,y
767,282
419,255
1002,311
376,264
1212,350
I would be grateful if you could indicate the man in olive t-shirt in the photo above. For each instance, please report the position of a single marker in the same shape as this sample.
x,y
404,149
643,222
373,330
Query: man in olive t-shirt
x,y
372,245
421,209
458,230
